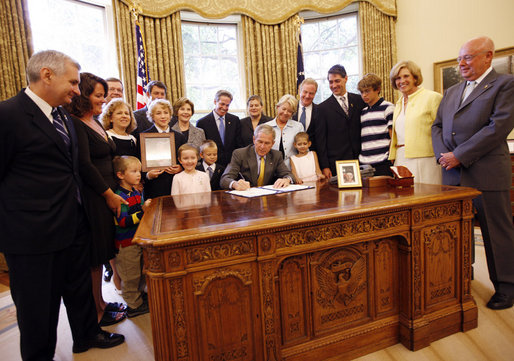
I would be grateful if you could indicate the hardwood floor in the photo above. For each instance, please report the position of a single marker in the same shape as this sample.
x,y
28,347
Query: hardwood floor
x,y
492,340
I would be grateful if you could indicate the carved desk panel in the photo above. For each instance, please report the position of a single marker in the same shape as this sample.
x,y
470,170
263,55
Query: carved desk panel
x,y
307,275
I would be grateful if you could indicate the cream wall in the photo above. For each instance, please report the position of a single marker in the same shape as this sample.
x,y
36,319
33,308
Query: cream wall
x,y
428,31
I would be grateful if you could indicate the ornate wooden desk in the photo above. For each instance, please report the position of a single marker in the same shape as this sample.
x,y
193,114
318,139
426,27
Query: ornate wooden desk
x,y
307,275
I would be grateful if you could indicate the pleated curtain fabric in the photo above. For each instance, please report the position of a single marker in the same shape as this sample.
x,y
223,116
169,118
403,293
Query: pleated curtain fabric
x,y
15,46
378,45
270,60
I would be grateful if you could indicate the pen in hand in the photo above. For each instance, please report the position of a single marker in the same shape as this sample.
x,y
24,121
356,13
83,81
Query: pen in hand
x,y
242,184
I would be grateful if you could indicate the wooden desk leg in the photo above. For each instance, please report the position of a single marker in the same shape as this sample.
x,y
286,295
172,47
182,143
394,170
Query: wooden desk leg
x,y
268,312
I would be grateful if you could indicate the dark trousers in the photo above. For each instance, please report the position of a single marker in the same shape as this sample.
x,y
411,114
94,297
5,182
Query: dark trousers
x,y
37,284
495,216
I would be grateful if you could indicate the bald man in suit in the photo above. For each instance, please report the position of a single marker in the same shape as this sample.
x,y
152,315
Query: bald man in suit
x,y
246,163
469,139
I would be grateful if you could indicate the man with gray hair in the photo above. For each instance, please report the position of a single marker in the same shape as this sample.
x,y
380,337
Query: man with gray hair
x,y
45,233
257,165
469,139
222,127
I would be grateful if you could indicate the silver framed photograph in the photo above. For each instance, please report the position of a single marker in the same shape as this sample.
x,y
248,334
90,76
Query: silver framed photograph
x,y
157,150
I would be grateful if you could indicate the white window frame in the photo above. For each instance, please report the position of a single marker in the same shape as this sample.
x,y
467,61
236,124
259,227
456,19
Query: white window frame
x,y
189,16
109,30
352,8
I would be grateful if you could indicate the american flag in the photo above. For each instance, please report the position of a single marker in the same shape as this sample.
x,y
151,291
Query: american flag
x,y
142,69
300,72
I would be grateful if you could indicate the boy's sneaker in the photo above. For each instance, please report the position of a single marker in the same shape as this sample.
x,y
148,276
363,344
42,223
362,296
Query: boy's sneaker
x,y
141,310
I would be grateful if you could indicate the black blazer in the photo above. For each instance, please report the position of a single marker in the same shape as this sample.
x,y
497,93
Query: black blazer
x,y
247,129
216,176
311,130
232,135
338,136
142,122
38,180
161,186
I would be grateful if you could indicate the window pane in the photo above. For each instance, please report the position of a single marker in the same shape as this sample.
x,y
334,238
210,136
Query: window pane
x,y
78,29
211,59
327,42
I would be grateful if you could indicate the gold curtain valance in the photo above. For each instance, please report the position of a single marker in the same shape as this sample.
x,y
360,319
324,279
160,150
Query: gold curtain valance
x,y
264,11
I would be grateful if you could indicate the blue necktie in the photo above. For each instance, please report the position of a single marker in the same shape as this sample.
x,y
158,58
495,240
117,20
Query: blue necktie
x,y
59,126
303,118
222,130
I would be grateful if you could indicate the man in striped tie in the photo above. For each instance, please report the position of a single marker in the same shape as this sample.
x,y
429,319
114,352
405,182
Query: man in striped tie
x,y
45,233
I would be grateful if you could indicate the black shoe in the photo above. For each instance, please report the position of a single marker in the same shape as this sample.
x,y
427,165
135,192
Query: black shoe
x,y
107,272
110,318
141,310
103,339
500,301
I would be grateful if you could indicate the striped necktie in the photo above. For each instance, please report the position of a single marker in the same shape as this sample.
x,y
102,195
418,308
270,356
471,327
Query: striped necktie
x,y
59,126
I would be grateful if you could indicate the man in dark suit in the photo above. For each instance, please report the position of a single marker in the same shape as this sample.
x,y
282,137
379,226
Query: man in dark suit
x,y
308,112
469,139
338,133
222,127
45,235
155,90
258,164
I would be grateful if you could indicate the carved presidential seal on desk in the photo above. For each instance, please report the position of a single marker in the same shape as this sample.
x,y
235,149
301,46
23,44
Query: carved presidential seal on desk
x,y
341,278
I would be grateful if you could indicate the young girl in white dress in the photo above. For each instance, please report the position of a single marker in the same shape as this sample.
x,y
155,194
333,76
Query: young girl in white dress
x,y
190,180
304,165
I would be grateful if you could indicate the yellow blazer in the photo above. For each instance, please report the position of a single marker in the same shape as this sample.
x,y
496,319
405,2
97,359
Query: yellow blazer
x,y
419,116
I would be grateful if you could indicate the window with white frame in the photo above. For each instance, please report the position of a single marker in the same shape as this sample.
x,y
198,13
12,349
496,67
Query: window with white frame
x,y
212,54
82,29
328,41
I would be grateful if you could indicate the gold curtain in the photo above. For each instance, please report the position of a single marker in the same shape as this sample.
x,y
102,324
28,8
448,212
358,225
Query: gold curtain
x,y
268,12
270,60
378,45
15,46
164,52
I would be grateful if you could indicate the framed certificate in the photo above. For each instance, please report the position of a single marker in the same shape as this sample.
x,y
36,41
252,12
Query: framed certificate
x,y
348,174
157,150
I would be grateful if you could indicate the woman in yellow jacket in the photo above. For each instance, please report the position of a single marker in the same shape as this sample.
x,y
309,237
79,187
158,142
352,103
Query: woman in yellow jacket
x,y
415,111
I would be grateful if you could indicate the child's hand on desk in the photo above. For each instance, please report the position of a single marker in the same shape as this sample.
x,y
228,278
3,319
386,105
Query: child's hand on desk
x,y
146,204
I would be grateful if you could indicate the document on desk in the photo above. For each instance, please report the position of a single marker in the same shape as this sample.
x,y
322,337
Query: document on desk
x,y
253,192
289,188
268,190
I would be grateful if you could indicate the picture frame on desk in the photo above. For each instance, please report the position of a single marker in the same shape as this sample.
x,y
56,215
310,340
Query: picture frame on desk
x,y
348,174
157,151
447,74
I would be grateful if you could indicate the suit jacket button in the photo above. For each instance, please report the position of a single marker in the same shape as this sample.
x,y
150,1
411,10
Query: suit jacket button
x,y
453,133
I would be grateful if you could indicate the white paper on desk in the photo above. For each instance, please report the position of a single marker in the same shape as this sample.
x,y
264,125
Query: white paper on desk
x,y
253,192
289,188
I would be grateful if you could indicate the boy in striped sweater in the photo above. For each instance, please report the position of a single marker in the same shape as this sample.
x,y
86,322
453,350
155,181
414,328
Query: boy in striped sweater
x,y
129,260
376,125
